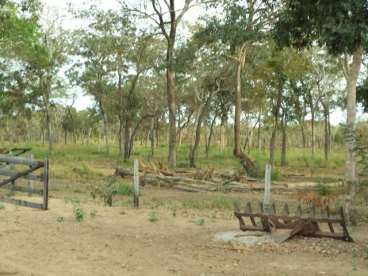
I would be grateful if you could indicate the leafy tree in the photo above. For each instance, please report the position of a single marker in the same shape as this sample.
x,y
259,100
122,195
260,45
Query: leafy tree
x,y
340,26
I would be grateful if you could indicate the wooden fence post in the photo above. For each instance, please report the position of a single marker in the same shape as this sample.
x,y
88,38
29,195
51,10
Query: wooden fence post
x,y
30,182
267,189
46,185
136,183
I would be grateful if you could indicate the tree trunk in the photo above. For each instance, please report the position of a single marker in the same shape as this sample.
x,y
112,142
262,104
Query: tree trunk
x,y
284,141
152,136
171,100
303,135
126,139
246,162
353,71
313,118
327,138
210,135
105,129
197,139
276,123
48,130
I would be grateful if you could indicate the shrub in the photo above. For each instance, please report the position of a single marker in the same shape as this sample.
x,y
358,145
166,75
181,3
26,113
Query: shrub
x,y
113,187
2,206
200,221
79,213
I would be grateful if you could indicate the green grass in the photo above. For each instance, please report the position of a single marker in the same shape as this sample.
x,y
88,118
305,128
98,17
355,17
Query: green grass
x,y
87,163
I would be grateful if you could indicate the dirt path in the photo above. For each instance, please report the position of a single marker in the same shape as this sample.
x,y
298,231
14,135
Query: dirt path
x,y
122,241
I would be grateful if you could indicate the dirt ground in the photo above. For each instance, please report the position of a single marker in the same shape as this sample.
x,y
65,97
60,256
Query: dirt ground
x,y
123,241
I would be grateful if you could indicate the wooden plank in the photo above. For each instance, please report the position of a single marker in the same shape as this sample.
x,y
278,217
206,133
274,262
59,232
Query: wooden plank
x,y
249,207
315,219
4,172
22,203
20,174
24,190
19,160
330,225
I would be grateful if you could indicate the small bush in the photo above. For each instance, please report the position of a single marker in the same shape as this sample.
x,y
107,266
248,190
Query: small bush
x,y
2,206
113,187
60,220
79,213
153,216
200,222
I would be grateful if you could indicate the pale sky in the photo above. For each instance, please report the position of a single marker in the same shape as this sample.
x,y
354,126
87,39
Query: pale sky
x,y
83,101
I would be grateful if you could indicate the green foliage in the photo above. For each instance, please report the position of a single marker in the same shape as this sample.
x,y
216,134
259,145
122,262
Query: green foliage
x,y
200,222
2,206
339,25
79,213
112,188
153,217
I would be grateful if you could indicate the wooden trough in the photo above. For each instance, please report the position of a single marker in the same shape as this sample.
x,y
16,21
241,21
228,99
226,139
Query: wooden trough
x,y
285,226
9,177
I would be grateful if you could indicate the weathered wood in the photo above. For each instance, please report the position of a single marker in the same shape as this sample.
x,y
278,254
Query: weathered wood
x,y
22,203
21,174
136,183
330,225
4,172
19,160
46,185
267,188
24,190
294,225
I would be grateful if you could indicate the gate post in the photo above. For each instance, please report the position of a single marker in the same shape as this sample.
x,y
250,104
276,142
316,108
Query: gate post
x,y
136,183
46,185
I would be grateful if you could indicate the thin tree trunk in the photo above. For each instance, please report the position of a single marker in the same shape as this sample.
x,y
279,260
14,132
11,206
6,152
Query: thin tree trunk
x,y
171,98
247,163
326,130
105,129
284,141
210,135
352,75
276,123
197,139
126,139
313,119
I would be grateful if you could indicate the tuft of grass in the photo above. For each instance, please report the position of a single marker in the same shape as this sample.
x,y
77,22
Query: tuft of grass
x,y
200,222
2,206
153,217
60,220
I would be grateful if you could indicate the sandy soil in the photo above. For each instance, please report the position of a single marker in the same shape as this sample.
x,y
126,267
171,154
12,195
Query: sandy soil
x,y
122,241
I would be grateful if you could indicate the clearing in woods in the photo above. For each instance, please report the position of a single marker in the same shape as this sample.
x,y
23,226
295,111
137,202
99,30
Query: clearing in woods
x,y
173,234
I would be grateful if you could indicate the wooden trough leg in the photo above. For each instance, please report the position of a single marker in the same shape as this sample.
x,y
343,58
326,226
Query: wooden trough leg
x,y
347,237
249,210
330,225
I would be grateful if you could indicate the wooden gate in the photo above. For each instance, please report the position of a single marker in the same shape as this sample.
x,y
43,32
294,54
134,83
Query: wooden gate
x,y
18,174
